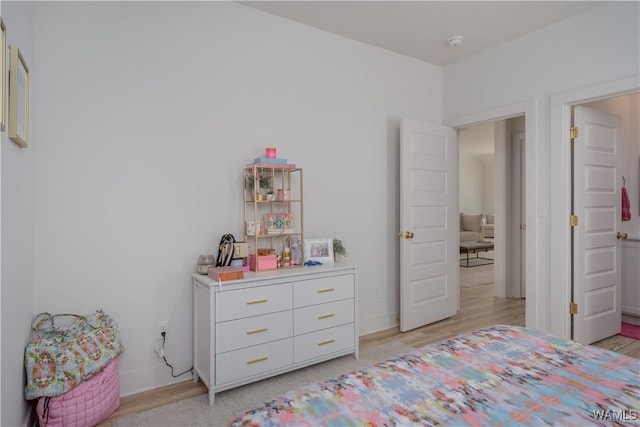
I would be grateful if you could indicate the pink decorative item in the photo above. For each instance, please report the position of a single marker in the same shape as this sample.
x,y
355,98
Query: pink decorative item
x,y
270,153
263,262
626,205
283,195
88,404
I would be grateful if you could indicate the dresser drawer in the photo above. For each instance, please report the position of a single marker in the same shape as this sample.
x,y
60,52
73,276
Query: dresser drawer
x,y
326,289
323,342
246,362
240,303
254,330
322,316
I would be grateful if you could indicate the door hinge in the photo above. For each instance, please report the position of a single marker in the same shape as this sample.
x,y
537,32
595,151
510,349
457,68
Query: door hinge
x,y
573,132
573,308
573,220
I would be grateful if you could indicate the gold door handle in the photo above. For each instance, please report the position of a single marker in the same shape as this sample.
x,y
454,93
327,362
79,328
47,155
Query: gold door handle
x,y
406,235
523,226
621,236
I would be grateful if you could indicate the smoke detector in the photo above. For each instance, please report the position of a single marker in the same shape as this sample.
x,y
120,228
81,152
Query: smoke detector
x,y
455,40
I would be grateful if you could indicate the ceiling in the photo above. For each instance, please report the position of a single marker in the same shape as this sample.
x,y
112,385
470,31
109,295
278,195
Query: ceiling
x,y
420,29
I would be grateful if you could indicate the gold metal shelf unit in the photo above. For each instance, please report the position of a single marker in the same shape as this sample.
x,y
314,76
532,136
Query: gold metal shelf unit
x,y
273,213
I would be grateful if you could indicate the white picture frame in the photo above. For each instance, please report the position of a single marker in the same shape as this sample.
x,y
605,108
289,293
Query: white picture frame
x,y
320,250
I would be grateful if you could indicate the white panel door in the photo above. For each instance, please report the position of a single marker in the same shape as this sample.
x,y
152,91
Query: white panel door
x,y
429,224
596,259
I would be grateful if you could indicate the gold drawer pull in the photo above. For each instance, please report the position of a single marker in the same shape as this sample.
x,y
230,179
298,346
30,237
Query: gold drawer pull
x,y
255,331
325,342
326,290
257,359
324,316
257,301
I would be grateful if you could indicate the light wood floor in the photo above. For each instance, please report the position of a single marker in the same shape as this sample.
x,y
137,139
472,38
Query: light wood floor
x,y
478,308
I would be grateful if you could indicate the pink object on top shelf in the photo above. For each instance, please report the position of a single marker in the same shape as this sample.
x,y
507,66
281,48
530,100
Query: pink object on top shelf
x,y
270,152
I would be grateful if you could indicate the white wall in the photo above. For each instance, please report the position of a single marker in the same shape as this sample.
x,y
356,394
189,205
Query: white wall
x,y
146,114
599,45
476,163
471,184
17,237
488,169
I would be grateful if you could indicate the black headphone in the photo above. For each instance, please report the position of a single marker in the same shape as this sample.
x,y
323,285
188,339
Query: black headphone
x,y
225,250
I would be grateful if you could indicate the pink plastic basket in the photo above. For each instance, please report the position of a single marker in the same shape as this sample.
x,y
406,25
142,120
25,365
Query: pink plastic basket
x,y
88,404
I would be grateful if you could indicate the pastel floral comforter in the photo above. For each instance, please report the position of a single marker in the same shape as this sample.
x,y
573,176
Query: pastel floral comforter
x,y
501,375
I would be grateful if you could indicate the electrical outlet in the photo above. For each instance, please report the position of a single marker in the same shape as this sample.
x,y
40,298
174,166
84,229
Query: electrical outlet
x,y
159,351
163,326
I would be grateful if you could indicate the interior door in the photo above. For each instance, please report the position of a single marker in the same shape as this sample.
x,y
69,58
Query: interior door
x,y
429,222
596,251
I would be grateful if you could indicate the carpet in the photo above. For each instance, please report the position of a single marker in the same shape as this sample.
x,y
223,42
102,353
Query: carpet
x,y
197,412
630,331
476,276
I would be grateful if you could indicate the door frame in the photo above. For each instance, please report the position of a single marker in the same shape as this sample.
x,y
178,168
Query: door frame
x,y
536,305
517,164
560,193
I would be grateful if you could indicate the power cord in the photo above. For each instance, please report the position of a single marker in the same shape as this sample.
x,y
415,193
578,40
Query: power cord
x,y
161,354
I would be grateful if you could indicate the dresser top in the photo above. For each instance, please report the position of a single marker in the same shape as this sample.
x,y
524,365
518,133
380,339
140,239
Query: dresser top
x,y
279,275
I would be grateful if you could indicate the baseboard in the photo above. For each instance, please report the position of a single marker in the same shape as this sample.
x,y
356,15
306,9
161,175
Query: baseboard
x,y
634,320
378,323
153,377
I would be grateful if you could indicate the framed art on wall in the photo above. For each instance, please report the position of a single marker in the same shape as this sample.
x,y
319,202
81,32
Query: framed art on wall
x,y
3,94
320,250
18,98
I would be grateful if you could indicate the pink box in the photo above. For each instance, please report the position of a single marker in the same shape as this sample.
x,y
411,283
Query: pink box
x,y
270,152
265,262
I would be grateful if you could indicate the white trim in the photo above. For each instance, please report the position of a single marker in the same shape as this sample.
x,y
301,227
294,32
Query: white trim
x,y
492,115
378,323
537,228
500,208
560,192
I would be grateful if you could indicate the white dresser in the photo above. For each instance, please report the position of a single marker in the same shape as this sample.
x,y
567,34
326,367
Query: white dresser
x,y
272,322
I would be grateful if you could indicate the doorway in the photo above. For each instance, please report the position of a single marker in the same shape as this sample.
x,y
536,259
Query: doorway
x,y
492,159
560,270
605,150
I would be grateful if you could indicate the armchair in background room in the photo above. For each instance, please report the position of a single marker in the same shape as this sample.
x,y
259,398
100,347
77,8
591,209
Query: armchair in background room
x,y
470,229
487,228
